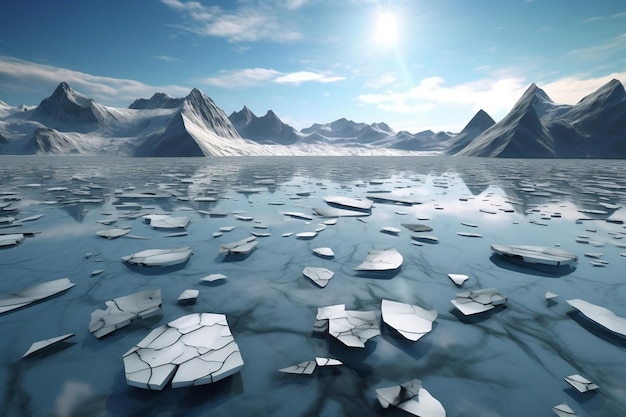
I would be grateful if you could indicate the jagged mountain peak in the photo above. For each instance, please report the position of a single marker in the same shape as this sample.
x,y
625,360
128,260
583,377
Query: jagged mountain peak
x,y
613,90
157,101
67,109
481,121
65,92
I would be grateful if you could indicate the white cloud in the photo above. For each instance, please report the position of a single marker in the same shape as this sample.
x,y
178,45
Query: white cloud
x,y
251,22
166,58
251,77
382,81
492,95
30,76
601,51
570,90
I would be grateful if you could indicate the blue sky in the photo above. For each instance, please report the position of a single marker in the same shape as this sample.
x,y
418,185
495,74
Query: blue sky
x,y
316,60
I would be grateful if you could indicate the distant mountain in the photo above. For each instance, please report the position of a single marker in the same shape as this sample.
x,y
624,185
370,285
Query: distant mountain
x,y
49,141
536,127
479,123
68,110
426,140
268,129
157,101
198,128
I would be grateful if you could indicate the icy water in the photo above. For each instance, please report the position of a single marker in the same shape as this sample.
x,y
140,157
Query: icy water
x,y
509,362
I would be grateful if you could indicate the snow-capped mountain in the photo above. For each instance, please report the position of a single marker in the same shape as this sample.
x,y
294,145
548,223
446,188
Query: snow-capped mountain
x,y
479,123
268,129
537,127
157,101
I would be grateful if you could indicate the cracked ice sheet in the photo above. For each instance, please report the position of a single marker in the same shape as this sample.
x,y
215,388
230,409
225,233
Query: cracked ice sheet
x,y
600,315
410,321
122,310
195,349
381,260
352,328
412,398
320,276
478,301
166,221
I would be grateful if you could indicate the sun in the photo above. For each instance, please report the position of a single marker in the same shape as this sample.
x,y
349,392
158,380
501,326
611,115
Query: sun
x,y
386,29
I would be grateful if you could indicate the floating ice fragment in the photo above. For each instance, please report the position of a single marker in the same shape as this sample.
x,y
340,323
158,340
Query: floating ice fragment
x,y
391,230
466,234
563,410
44,344
188,296
478,301
412,398
324,252
320,276
241,247
303,368
35,293
352,328
30,218
195,349
159,257
306,235
113,233
166,221
550,295
600,315
417,227
296,215
425,238
535,254
469,224
330,222
96,272
12,239
338,212
349,203
389,199
327,361
243,218
227,228
580,383
122,310
458,279
595,255
381,260
410,321
213,277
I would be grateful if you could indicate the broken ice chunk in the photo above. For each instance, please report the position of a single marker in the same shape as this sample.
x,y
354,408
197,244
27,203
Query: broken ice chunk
x,y
327,361
44,344
241,247
600,315
122,310
113,233
35,293
166,221
478,301
195,349
12,239
324,252
188,296
296,215
213,277
535,254
417,227
390,230
410,321
458,279
349,203
320,276
303,368
580,383
563,410
352,328
550,295
412,398
381,260
159,257
306,235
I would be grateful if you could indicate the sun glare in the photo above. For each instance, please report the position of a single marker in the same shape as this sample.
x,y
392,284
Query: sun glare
x,y
386,30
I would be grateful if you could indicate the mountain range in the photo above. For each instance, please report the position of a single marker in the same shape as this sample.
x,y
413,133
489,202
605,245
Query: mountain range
x,y
68,122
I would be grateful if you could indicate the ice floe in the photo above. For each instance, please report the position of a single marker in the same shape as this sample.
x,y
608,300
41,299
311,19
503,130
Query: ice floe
x,y
113,233
188,296
12,239
535,254
350,327
580,383
478,301
122,310
563,410
381,260
47,343
195,349
600,315
409,320
324,252
35,293
165,221
307,367
159,257
320,276
240,247
412,398
458,279
349,203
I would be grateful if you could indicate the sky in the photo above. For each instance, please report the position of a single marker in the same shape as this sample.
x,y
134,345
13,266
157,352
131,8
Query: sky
x,y
413,64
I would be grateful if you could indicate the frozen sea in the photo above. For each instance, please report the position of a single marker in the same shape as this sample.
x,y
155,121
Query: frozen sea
x,y
509,362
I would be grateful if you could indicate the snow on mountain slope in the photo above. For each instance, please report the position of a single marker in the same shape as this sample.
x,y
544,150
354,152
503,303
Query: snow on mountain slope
x,y
157,101
267,129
